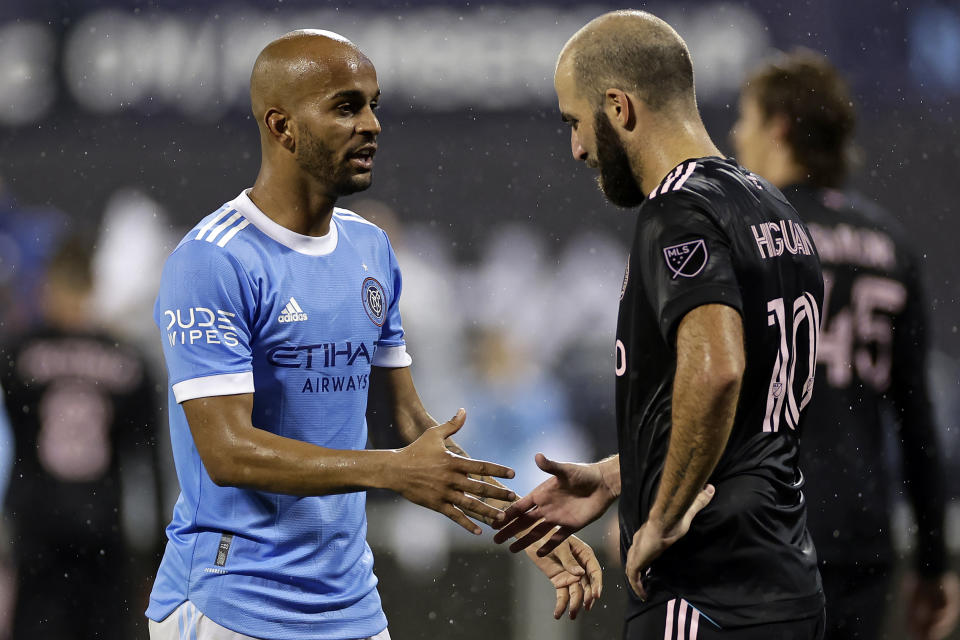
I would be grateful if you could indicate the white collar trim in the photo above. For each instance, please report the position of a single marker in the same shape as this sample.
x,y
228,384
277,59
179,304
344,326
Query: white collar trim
x,y
308,245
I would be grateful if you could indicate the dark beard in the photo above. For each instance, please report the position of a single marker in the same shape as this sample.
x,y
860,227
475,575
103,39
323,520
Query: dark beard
x,y
616,178
318,160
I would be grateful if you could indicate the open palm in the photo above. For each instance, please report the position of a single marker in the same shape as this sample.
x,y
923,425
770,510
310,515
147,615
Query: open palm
x,y
572,498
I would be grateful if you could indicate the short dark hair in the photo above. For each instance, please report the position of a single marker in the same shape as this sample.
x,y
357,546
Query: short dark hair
x,y
810,93
643,54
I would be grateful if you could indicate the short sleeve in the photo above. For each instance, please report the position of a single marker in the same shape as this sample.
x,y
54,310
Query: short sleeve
x,y
203,312
391,347
686,262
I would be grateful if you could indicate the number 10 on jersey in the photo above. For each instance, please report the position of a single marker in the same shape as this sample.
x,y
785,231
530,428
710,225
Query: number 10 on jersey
x,y
803,322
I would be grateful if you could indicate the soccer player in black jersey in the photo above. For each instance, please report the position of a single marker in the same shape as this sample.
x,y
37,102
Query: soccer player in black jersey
x,y
85,417
795,127
715,355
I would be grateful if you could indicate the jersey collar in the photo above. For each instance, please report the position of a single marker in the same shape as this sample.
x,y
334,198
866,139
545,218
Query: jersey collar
x,y
309,245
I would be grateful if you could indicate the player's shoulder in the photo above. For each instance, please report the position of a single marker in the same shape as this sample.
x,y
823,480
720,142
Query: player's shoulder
x,y
710,184
873,214
354,223
219,238
847,218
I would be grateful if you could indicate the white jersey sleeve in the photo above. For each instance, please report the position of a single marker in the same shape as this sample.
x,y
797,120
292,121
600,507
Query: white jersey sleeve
x,y
204,312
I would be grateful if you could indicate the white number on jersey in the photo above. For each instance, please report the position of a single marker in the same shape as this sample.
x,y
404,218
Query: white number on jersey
x,y
804,315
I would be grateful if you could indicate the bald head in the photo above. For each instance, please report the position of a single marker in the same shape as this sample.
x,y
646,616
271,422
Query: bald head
x,y
292,65
633,51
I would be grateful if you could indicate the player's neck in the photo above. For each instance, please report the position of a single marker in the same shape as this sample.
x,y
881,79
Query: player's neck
x,y
782,171
296,204
690,141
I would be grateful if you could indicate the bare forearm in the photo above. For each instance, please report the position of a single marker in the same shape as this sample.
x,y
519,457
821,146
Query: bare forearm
x,y
702,420
706,387
267,462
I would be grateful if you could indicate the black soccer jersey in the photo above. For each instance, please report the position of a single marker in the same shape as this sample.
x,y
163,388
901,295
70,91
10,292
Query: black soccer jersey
x,y
872,348
81,406
713,233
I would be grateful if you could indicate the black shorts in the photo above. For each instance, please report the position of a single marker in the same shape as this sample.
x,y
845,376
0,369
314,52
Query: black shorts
x,y
677,619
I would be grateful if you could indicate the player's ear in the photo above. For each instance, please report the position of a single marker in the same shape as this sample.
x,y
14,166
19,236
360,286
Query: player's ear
x,y
280,127
619,108
778,126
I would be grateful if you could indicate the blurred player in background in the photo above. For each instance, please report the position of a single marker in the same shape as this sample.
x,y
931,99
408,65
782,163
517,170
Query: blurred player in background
x,y
278,312
711,315
795,128
85,408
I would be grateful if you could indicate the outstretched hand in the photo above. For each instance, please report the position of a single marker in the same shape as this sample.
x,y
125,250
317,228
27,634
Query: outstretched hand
x,y
574,497
650,541
430,475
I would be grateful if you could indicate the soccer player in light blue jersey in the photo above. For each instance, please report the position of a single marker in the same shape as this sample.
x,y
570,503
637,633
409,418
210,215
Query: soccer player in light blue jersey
x,y
278,312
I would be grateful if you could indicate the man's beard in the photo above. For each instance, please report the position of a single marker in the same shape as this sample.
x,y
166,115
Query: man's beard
x,y
616,178
319,160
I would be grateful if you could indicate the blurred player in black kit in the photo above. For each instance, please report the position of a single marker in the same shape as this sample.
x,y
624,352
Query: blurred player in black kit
x,y
82,407
715,356
795,128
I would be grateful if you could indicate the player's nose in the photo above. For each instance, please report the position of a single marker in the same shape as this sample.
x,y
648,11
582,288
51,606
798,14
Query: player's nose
x,y
369,124
579,153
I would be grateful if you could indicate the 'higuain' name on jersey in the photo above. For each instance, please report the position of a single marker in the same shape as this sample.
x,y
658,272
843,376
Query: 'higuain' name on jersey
x,y
774,238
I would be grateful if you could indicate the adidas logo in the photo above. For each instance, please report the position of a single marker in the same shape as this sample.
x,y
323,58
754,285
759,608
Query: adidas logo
x,y
292,312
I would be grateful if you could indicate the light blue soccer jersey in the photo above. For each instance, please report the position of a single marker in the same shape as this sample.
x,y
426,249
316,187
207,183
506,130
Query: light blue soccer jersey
x,y
248,306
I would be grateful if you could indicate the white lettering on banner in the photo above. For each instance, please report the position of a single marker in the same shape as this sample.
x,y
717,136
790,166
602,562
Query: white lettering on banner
x,y
112,59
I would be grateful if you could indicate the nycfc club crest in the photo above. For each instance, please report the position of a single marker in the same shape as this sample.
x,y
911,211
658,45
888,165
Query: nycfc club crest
x,y
373,300
687,259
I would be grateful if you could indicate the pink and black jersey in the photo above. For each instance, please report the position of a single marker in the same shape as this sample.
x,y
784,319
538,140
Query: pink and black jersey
x,y
714,233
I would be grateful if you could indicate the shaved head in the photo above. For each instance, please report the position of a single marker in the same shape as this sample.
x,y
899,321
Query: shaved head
x,y
313,94
633,51
290,66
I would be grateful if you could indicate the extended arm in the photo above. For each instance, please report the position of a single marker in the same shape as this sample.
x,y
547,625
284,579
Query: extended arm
x,y
710,364
575,496
572,569
236,453
392,391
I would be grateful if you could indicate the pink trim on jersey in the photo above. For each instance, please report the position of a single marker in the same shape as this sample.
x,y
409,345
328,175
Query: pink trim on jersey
x,y
683,178
675,179
668,627
682,619
694,624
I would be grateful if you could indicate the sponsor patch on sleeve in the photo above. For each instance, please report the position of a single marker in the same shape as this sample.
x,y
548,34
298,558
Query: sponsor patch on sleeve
x,y
686,260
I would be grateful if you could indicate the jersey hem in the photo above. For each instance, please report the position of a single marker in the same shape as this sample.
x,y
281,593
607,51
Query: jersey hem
x,y
743,615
